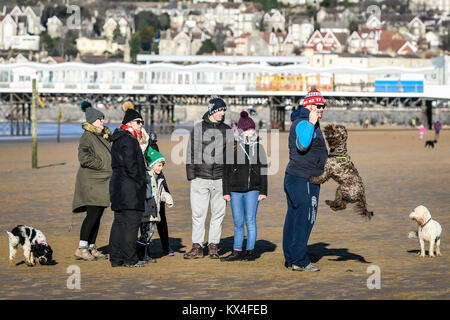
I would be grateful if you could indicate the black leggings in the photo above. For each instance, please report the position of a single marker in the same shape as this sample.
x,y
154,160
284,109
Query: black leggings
x,y
163,231
91,224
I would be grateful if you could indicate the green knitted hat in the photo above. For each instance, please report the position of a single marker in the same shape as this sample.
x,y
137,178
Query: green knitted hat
x,y
153,157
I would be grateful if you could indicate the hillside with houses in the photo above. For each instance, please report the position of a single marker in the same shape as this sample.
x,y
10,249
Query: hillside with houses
x,y
108,31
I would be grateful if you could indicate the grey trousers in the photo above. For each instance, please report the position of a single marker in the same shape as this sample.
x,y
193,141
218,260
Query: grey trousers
x,y
204,192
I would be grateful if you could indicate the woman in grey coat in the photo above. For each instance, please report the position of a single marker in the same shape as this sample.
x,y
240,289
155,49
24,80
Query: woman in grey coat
x,y
92,182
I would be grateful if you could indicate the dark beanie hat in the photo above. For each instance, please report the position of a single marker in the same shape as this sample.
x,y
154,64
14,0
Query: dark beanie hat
x,y
245,122
216,104
91,113
130,115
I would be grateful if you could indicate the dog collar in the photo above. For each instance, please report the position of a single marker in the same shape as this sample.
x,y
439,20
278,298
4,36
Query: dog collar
x,y
426,223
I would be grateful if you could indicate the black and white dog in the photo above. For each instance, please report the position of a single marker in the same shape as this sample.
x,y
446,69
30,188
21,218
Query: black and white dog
x,y
34,245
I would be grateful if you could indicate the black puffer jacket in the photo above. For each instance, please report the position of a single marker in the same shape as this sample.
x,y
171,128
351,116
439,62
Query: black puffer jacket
x,y
248,172
213,137
128,183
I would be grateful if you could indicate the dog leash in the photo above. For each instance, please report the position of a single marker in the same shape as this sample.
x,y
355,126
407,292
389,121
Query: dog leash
x,y
71,223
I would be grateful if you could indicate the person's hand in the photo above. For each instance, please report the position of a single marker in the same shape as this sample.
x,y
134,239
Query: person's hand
x,y
313,115
261,197
227,197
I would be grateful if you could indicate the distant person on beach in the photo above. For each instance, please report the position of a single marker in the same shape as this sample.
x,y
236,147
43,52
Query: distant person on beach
x,y
204,168
150,141
437,129
421,131
92,182
127,190
244,186
307,156
366,123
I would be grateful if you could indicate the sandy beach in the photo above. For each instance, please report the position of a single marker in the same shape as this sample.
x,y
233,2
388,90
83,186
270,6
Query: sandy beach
x,y
398,172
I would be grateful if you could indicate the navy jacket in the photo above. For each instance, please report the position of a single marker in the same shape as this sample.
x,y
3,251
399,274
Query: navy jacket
x,y
311,161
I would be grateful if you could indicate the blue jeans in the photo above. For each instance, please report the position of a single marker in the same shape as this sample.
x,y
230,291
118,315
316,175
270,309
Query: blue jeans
x,y
302,200
244,206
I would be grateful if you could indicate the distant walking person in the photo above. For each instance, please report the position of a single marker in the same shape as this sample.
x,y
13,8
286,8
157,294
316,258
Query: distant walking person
x,y
244,186
204,168
421,131
127,190
92,182
437,129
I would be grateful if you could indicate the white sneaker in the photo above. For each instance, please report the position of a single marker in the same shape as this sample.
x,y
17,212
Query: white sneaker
x,y
309,267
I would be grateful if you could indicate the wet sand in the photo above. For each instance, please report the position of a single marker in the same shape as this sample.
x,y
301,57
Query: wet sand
x,y
399,174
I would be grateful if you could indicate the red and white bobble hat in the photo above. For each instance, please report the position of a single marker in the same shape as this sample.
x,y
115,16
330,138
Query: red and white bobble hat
x,y
313,97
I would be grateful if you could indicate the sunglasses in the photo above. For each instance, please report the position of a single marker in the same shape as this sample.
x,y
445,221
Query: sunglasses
x,y
320,106
139,122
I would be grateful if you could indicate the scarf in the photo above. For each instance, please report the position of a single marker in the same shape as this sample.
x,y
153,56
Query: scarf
x,y
252,141
136,133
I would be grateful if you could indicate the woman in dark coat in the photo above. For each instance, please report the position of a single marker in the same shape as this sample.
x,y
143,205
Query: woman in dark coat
x,y
127,190
244,186
150,141
92,182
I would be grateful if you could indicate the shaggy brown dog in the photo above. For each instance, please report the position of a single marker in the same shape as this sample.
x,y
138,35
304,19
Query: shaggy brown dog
x,y
339,167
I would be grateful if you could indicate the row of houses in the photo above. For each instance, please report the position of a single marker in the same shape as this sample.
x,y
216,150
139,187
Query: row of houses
x,y
240,28
373,37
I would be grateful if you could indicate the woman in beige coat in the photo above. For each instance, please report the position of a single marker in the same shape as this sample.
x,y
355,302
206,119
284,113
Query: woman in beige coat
x,y
92,182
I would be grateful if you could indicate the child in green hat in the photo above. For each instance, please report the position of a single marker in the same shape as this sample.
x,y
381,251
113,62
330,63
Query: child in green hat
x,y
155,194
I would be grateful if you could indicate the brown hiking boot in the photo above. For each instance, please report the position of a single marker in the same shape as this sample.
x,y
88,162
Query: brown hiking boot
x,y
97,254
213,251
196,252
82,253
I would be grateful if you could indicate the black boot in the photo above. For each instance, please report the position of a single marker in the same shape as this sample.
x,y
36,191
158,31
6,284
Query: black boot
x,y
140,251
234,256
249,255
147,257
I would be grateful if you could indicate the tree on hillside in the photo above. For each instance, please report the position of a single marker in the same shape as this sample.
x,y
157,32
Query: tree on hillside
x,y
147,34
352,27
135,45
98,25
116,33
207,47
316,26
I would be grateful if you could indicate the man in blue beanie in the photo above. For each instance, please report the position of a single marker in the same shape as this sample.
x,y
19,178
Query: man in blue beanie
x,y
204,169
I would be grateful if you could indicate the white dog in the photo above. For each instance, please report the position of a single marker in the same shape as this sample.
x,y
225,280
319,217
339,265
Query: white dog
x,y
429,230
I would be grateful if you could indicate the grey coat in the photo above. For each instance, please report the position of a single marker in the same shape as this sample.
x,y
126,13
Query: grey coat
x,y
94,174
